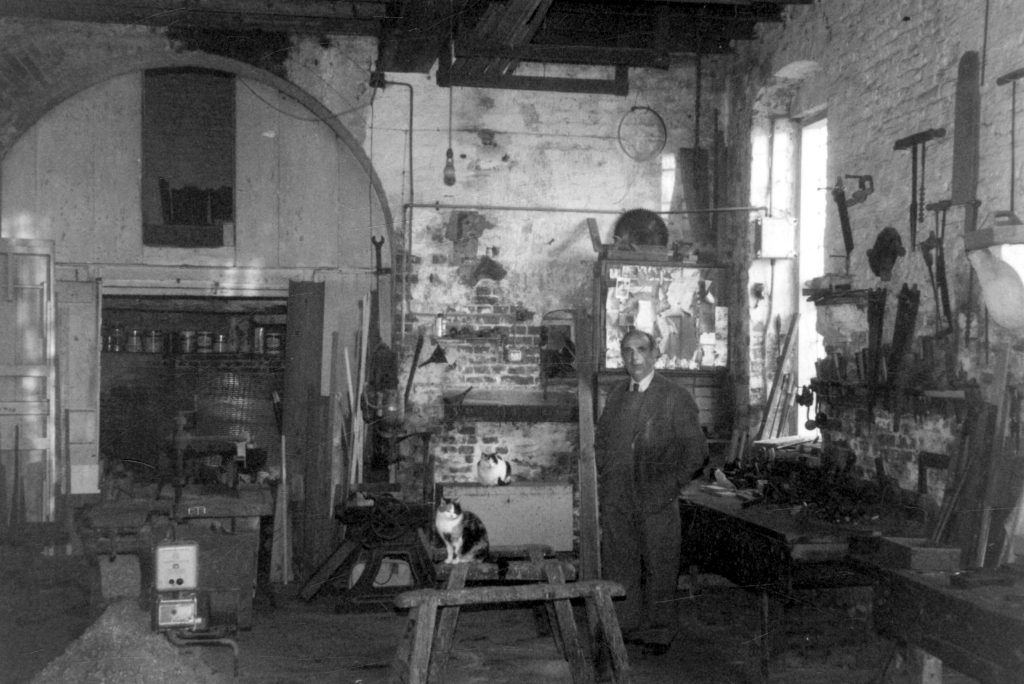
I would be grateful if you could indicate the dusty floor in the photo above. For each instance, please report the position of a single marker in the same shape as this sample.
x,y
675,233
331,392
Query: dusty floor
x,y
57,626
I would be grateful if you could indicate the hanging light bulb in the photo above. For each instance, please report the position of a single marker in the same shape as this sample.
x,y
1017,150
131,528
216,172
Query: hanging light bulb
x,y
449,168
449,156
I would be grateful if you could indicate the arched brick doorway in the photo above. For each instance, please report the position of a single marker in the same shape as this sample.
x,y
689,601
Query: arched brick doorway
x,y
43,64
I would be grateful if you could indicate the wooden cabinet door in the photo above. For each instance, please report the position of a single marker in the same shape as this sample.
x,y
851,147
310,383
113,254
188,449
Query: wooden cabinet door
x,y
31,476
78,376
308,480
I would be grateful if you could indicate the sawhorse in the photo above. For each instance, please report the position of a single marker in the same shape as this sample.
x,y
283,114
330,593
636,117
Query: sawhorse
x,y
433,614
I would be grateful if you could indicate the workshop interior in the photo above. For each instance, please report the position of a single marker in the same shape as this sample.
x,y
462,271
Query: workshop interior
x,y
279,279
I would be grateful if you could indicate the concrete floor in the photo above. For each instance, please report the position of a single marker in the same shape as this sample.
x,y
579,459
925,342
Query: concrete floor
x,y
820,637
296,641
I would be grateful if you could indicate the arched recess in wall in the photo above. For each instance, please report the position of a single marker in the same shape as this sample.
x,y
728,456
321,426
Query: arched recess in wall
x,y
785,254
50,92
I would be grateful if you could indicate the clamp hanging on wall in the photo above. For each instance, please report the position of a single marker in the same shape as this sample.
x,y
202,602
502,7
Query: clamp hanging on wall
x,y
940,284
865,186
1008,217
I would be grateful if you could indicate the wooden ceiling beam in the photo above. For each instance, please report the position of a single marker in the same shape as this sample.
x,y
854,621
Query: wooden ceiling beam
x,y
564,54
412,35
448,77
492,36
509,24
311,16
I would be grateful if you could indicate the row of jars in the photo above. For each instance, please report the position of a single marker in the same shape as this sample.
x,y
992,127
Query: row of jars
x,y
132,340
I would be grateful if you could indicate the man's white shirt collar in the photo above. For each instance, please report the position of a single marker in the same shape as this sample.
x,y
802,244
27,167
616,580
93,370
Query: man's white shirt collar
x,y
644,383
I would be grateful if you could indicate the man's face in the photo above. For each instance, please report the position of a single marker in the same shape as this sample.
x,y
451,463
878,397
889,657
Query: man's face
x,y
638,356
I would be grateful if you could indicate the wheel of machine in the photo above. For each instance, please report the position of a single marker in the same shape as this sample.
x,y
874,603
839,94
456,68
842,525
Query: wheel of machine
x,y
640,227
389,518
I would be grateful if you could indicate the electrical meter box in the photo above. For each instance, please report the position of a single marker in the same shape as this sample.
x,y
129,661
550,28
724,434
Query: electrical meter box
x,y
174,613
176,566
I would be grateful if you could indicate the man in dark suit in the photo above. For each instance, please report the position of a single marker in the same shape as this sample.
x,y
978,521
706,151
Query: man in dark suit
x,y
649,445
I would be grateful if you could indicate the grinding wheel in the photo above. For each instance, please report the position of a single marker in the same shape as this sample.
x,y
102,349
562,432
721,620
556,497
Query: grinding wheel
x,y
640,227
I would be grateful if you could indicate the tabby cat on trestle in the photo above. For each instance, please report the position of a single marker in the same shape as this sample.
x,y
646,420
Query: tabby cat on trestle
x,y
463,533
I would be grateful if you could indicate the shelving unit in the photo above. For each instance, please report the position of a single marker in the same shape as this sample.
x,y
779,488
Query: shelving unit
x,y
230,392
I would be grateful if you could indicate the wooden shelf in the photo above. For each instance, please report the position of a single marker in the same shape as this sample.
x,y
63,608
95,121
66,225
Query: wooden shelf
x,y
837,297
513,407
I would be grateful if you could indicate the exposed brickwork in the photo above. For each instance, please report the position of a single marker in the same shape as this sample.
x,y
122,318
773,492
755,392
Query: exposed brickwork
x,y
488,350
888,71
553,153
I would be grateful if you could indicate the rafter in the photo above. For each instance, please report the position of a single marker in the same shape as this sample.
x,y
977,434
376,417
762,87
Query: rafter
x,y
362,17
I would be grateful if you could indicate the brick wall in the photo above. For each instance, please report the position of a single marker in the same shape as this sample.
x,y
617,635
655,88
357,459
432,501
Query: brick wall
x,y
556,155
488,393
886,71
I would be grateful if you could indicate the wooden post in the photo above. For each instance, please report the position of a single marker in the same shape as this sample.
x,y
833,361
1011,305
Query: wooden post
x,y
280,553
590,549
335,428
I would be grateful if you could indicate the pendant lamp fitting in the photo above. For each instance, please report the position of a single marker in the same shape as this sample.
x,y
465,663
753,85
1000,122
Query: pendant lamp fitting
x,y
449,168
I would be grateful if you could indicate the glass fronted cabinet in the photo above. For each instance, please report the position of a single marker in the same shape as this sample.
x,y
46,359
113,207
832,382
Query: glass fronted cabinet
x,y
682,305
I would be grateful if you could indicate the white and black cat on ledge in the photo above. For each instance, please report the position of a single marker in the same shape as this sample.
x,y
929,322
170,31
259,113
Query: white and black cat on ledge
x,y
493,470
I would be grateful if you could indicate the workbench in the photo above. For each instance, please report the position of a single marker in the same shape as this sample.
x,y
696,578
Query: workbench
x,y
978,631
764,549
761,546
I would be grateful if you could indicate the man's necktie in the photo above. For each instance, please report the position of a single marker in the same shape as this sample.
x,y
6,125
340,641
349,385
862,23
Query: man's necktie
x,y
634,387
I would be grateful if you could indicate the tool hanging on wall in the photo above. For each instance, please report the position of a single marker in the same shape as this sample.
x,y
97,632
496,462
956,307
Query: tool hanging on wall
x,y
806,398
1009,218
926,252
902,335
876,321
865,186
966,125
966,129
916,144
412,368
940,283
887,249
438,356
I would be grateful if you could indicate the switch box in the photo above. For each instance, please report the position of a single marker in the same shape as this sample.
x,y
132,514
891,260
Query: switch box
x,y
177,614
177,566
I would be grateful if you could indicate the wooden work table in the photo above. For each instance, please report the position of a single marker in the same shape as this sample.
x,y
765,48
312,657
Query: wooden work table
x,y
764,549
978,631
761,547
